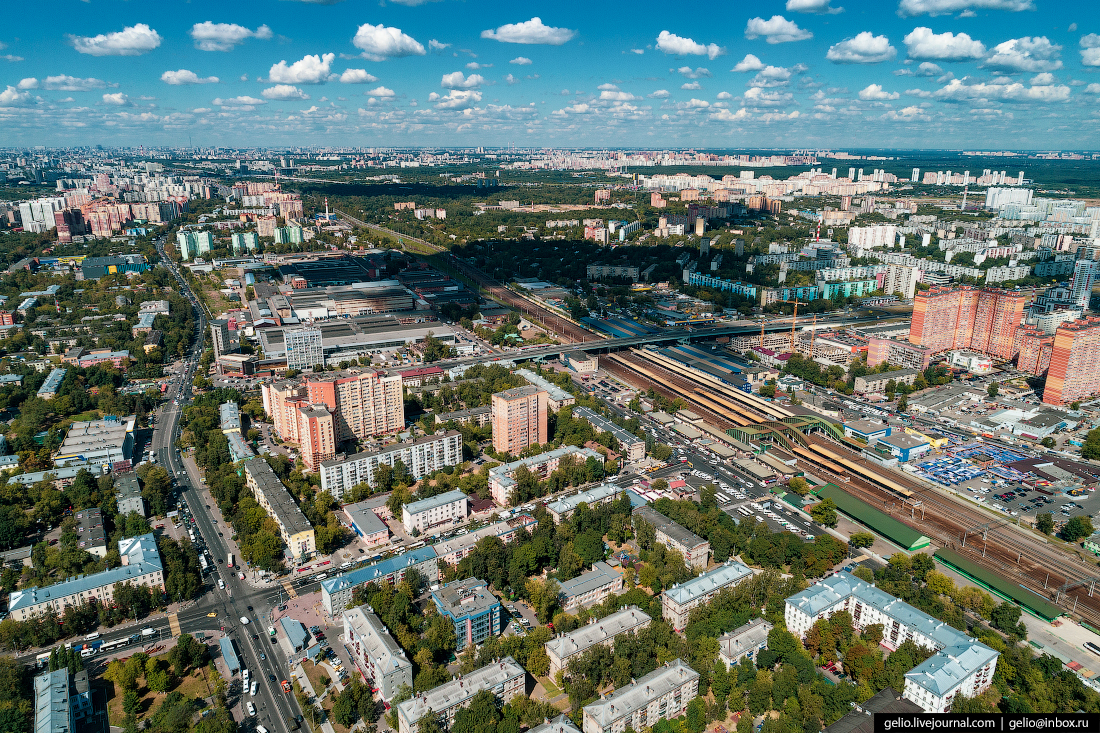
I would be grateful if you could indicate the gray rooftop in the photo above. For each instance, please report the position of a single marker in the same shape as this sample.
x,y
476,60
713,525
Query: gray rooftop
x,y
514,393
443,549
866,427
568,503
434,501
677,533
53,382
295,632
557,394
459,690
598,631
560,724
289,515
52,709
903,440
380,645
230,416
724,575
365,519
462,598
127,486
750,636
600,575
601,423
90,531
626,700
502,473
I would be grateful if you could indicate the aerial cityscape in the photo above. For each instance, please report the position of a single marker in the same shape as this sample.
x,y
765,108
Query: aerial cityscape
x,y
422,368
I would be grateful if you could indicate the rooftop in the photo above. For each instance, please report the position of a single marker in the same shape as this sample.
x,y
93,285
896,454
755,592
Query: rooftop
x,y
493,530
516,393
432,502
678,534
380,645
462,598
567,504
601,423
560,724
229,414
287,512
600,575
866,427
365,519
626,700
557,394
750,636
502,473
720,577
459,690
598,631
378,570
127,486
51,702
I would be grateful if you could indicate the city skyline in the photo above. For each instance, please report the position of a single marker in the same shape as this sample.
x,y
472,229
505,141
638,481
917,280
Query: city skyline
x,y
800,73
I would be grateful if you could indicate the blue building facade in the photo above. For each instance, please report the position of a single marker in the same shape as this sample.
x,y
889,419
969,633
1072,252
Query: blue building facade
x,y
472,608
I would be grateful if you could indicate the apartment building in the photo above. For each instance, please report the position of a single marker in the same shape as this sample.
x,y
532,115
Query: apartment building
x,y
91,535
472,608
965,317
678,601
591,587
1074,372
519,419
959,664
317,435
901,280
421,457
367,524
454,550
141,565
744,642
878,382
1035,347
336,593
376,654
560,724
566,647
273,496
229,417
694,549
128,494
504,678
420,516
303,348
556,397
630,445
564,507
363,404
62,702
502,477
663,693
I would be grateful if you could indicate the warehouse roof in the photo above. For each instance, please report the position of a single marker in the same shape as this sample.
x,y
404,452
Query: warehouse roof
x,y
901,534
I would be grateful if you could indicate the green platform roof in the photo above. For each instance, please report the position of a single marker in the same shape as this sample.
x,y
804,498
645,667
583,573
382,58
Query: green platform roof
x,y
859,510
1032,602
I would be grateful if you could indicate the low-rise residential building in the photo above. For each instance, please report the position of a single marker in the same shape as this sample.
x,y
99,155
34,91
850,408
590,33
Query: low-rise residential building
x,y
678,601
141,565
62,702
479,416
959,664
502,477
557,397
591,587
421,457
560,724
229,417
630,445
420,516
239,448
694,549
504,678
368,525
453,551
663,693
564,507
336,593
604,631
376,654
49,388
273,496
91,535
472,608
877,382
128,494
744,642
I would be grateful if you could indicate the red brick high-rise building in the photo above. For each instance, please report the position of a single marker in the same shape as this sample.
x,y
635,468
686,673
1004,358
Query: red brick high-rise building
x,y
966,317
1074,372
1034,346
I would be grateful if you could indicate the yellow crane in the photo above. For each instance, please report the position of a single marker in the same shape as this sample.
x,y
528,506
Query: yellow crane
x,y
794,318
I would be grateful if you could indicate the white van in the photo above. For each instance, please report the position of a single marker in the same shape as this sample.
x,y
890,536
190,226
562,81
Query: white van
x,y
322,576
251,709
87,653
253,690
92,636
148,632
261,729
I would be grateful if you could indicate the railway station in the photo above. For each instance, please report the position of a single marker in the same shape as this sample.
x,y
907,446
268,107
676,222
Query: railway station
x,y
901,535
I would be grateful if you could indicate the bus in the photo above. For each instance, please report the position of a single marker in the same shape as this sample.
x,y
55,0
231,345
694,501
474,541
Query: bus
x,y
203,563
42,659
229,562
1092,648
414,546
111,646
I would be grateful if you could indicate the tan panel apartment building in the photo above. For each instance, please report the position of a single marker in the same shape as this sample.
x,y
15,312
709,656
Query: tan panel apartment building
x,y
519,419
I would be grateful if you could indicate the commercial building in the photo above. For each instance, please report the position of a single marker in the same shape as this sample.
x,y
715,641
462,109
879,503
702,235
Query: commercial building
x,y
502,477
472,608
678,601
966,317
420,516
273,496
49,388
302,348
663,693
128,494
453,551
591,587
348,339
376,654
363,404
564,507
566,647
866,430
225,341
1074,372
520,419
368,525
904,446
694,549
504,678
878,382
580,361
141,565
336,593
62,702
97,442
959,665
421,457
229,655
744,642
630,445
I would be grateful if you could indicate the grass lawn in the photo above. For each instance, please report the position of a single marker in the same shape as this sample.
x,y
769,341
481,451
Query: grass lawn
x,y
552,690
314,673
192,686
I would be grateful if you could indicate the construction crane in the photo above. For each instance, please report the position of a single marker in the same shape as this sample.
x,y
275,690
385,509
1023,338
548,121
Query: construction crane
x,y
794,317
813,330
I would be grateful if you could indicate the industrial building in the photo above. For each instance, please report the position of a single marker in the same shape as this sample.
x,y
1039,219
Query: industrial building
x,y
97,442
348,339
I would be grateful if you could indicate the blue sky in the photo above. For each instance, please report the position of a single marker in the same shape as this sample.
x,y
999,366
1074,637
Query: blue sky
x,y
787,73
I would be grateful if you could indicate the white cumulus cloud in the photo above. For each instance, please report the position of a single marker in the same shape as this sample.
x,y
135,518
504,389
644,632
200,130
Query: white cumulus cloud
x,y
812,6
959,90
63,83
771,76
521,61
675,45
117,99
1090,50
757,97
659,94
311,69
1093,88
184,76
776,29
922,43
691,85
456,80
610,96
530,32
456,99
381,92
1025,54
875,92
357,76
688,72
12,97
725,95
209,36
242,101
946,7
749,63
377,42
436,46
284,92
864,48
509,79
907,114
130,41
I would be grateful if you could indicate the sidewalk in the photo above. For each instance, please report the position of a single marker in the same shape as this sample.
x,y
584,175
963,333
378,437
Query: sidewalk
x,y
299,674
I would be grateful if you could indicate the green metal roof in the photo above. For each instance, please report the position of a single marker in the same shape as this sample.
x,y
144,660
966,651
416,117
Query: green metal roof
x,y
1031,601
859,510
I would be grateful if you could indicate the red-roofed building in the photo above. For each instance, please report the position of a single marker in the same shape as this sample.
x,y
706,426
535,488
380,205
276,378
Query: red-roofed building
x,y
417,377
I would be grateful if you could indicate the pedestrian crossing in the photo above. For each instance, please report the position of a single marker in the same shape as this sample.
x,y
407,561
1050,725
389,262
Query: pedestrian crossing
x,y
174,624
289,589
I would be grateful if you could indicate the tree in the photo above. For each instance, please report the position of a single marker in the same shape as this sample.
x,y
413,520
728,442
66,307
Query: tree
x,y
799,485
661,452
861,539
903,403
1091,448
993,389
824,513
1045,523
1047,442
1006,618
1077,528
131,703
697,715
